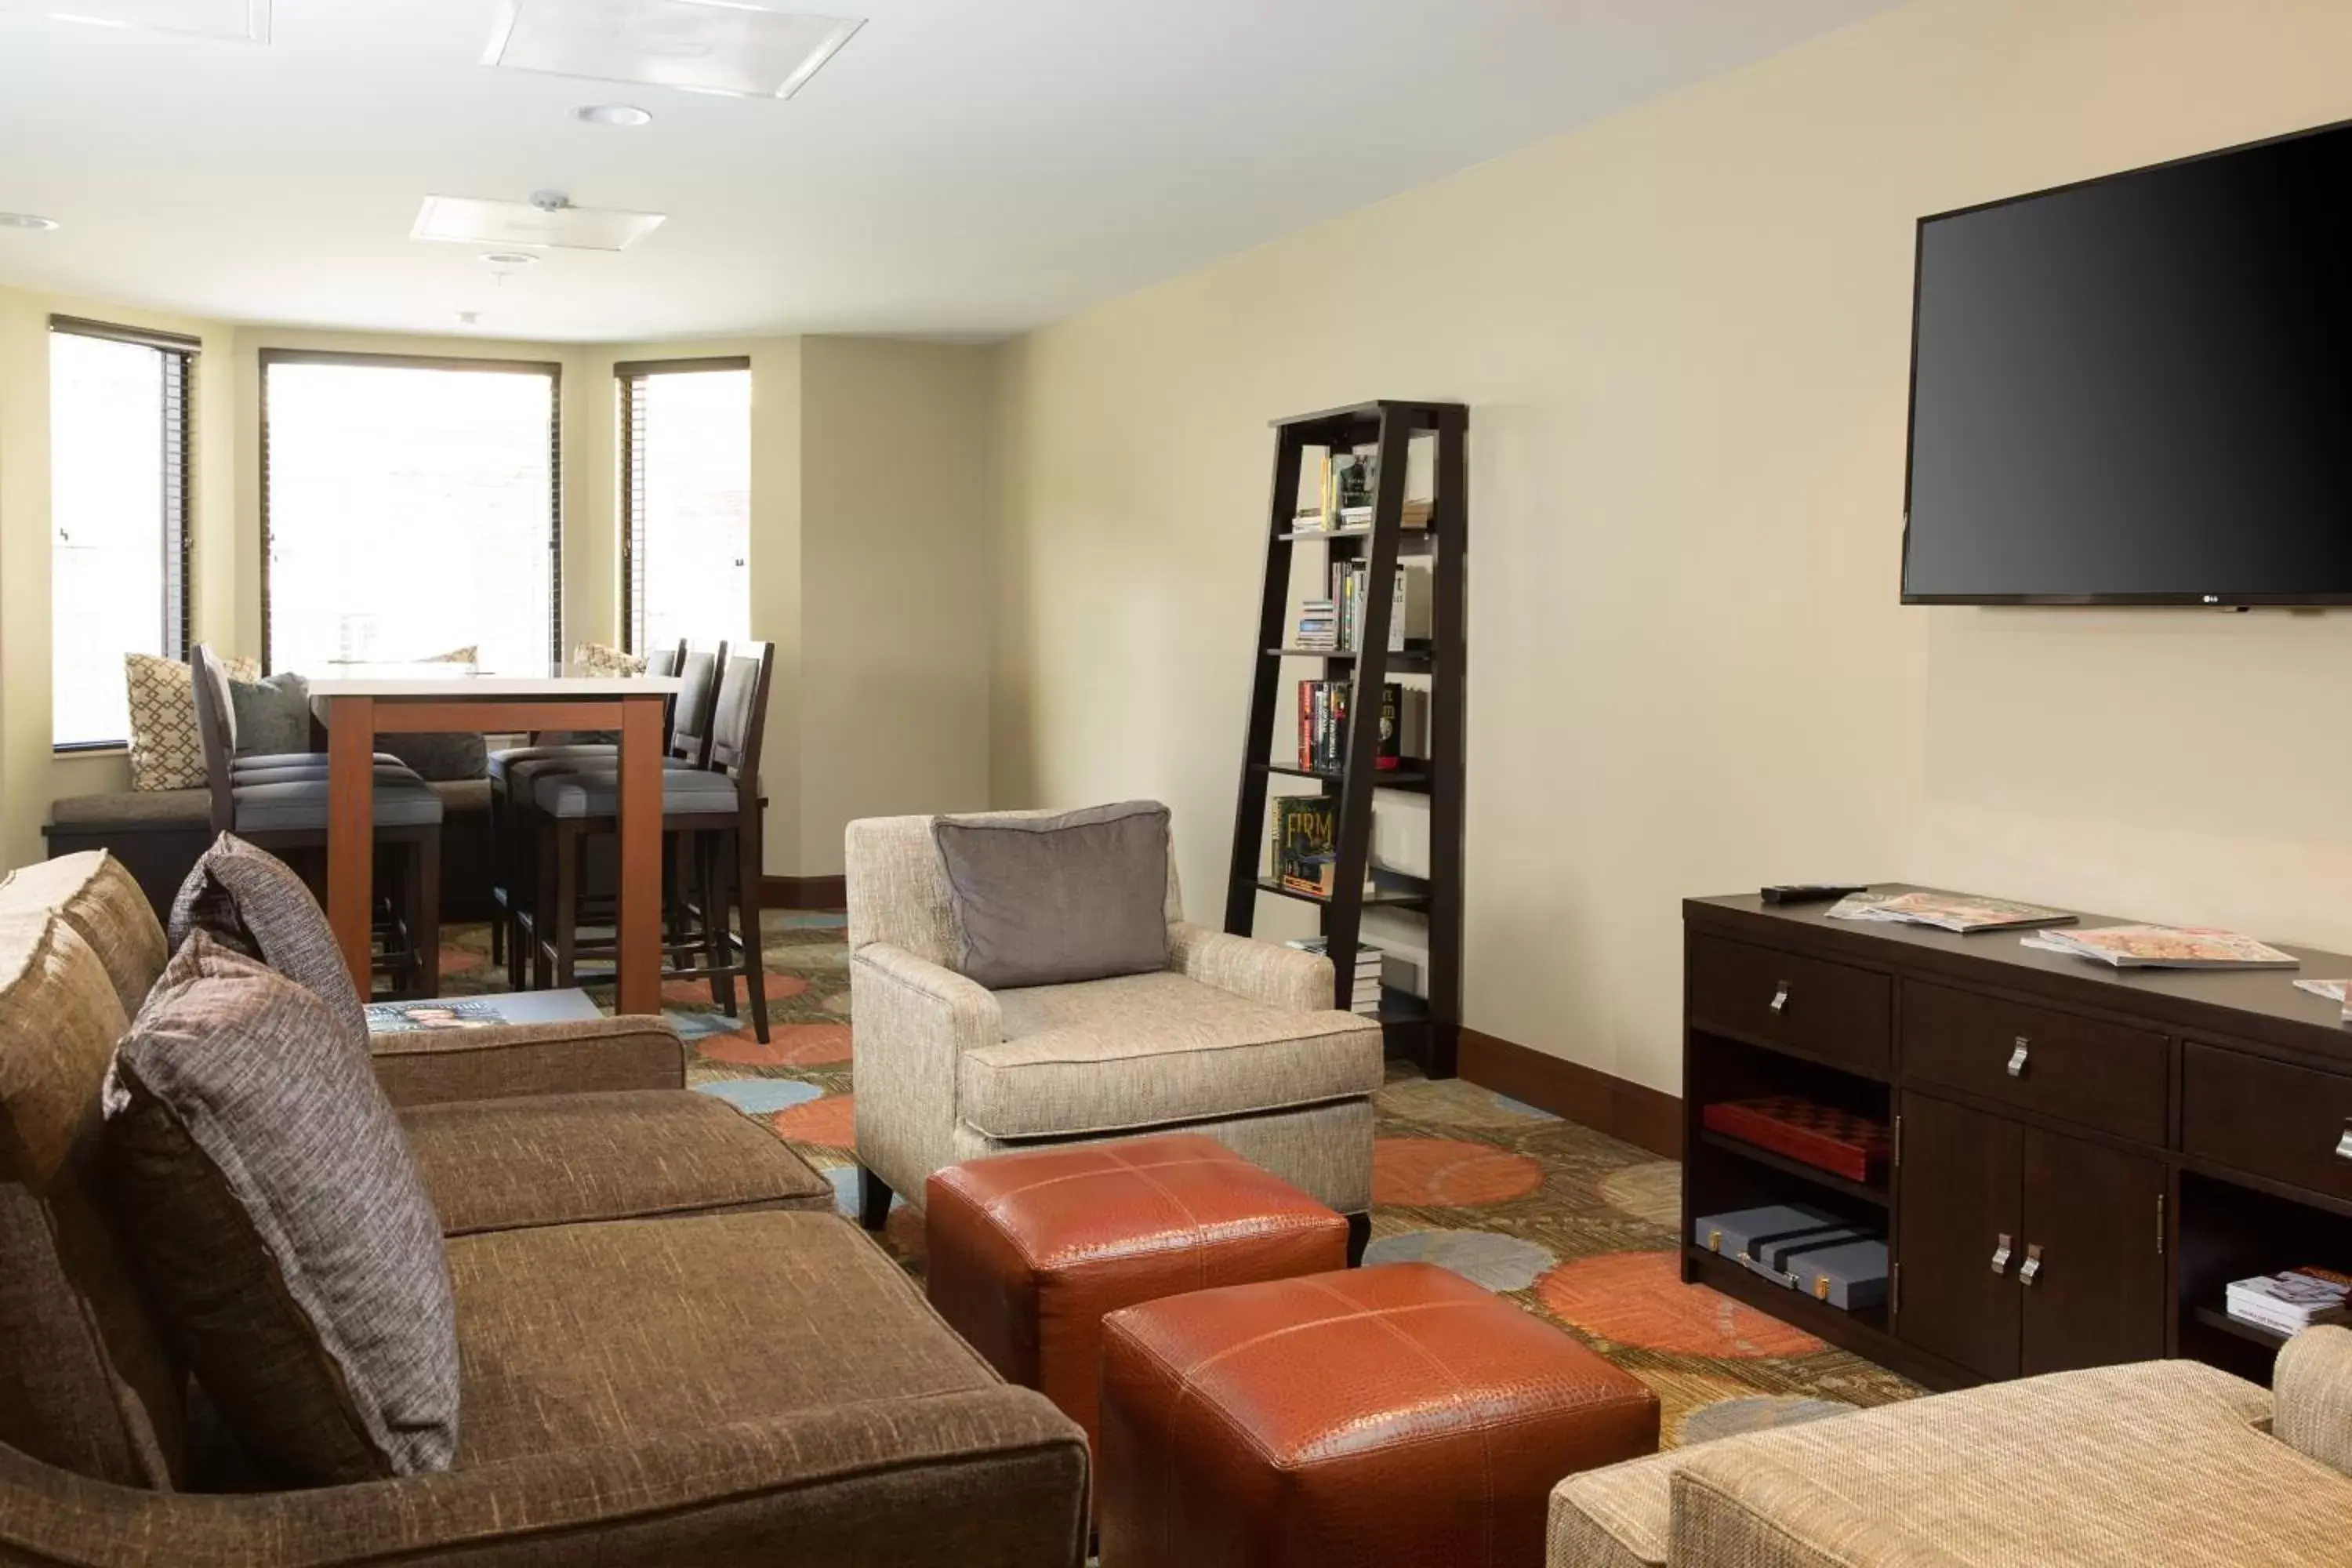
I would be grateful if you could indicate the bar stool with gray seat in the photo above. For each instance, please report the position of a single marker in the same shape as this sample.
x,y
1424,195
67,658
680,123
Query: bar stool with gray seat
x,y
280,806
686,728
716,808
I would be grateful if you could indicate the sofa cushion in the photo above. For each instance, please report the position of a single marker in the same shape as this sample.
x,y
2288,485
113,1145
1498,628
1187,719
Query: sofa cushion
x,y
1147,1050
136,810
251,902
166,752
2161,1461
584,1335
281,1226
86,1382
92,893
1050,901
503,1164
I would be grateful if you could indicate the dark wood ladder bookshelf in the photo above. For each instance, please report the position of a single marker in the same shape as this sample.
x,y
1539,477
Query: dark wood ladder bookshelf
x,y
1423,1029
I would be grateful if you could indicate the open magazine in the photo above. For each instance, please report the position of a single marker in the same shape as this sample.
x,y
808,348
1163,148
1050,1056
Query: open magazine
x,y
415,1017
1961,912
2165,947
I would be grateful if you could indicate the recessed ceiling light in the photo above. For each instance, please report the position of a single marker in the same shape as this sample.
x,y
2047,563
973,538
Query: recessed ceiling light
x,y
471,220
26,220
248,21
611,114
735,46
509,258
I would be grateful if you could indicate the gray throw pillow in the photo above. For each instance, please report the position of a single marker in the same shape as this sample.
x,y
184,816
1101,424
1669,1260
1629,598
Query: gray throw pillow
x,y
281,1225
273,716
251,902
441,757
1048,900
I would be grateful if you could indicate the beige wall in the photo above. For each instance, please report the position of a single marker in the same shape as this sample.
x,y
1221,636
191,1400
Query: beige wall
x,y
1683,334
895,577
896,500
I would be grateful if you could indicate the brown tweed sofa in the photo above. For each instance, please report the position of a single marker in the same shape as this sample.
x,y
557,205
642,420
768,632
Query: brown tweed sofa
x,y
669,1354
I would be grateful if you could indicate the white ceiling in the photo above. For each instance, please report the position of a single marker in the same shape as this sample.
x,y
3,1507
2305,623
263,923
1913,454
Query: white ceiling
x,y
961,166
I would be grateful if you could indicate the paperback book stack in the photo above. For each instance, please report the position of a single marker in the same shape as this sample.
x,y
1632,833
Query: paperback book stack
x,y
1366,997
2291,1302
1319,624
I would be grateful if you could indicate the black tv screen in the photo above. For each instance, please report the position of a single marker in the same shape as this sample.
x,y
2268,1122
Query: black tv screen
x,y
2139,390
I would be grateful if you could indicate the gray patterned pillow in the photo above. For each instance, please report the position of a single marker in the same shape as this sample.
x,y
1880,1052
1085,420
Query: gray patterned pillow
x,y
279,1222
251,902
273,716
1050,901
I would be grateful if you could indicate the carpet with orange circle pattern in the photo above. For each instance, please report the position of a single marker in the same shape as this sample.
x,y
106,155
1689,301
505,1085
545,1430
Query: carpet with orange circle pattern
x,y
1570,1225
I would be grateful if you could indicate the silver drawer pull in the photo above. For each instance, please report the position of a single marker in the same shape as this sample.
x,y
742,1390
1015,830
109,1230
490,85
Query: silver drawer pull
x,y
2017,1056
2343,1144
2031,1267
2001,1255
1780,999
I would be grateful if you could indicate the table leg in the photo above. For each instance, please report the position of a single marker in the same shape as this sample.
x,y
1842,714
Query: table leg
x,y
351,831
639,960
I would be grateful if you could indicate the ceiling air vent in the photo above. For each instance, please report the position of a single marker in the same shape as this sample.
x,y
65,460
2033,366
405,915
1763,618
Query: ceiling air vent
x,y
703,45
472,220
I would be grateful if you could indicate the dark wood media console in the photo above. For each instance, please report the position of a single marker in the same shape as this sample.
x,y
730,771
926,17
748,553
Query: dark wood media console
x,y
2140,1139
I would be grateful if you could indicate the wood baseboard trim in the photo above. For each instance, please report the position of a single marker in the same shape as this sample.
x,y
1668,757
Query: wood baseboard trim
x,y
803,892
1640,1115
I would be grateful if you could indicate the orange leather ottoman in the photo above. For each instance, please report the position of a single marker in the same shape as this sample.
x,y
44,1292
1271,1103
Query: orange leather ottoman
x,y
1396,1414
1026,1252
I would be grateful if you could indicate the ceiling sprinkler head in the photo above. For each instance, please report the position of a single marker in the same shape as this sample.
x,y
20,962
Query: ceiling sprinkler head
x,y
549,201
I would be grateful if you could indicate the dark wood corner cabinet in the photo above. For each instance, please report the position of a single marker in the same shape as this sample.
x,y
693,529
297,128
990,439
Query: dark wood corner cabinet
x,y
1423,1027
2082,1158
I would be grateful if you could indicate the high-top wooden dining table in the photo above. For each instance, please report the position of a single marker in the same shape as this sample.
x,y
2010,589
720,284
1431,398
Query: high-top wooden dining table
x,y
356,711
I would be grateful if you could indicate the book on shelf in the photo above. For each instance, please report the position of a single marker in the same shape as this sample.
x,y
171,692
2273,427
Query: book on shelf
x,y
1323,726
2292,1301
1337,489
2164,947
1410,604
1305,848
1319,624
1959,913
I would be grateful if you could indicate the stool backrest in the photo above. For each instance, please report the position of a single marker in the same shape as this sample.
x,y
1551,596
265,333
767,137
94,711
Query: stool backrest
x,y
690,730
216,731
668,661
741,719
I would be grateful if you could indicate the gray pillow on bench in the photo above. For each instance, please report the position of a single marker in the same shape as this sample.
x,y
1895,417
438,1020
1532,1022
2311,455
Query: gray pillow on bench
x,y
1051,900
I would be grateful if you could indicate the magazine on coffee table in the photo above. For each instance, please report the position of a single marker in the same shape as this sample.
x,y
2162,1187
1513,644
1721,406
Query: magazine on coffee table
x,y
2165,947
1960,912
416,1017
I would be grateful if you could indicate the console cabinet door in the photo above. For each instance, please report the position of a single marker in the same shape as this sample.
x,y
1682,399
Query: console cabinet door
x,y
2098,1296
1961,1193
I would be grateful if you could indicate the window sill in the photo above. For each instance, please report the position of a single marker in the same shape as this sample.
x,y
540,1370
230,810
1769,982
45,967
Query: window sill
x,y
93,749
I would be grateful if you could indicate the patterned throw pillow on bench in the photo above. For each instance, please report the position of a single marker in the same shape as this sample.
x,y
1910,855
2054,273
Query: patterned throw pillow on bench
x,y
166,752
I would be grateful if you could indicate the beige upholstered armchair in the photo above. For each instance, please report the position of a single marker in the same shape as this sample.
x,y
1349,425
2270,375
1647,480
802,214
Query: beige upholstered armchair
x,y
1235,1038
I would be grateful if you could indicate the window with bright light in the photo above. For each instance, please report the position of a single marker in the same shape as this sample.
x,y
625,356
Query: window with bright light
x,y
409,509
686,499
118,516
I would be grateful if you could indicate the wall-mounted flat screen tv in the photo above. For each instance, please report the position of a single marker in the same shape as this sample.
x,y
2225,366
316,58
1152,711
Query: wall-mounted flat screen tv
x,y
2139,390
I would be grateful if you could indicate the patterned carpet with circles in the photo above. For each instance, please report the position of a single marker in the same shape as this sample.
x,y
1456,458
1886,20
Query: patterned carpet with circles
x,y
1572,1225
